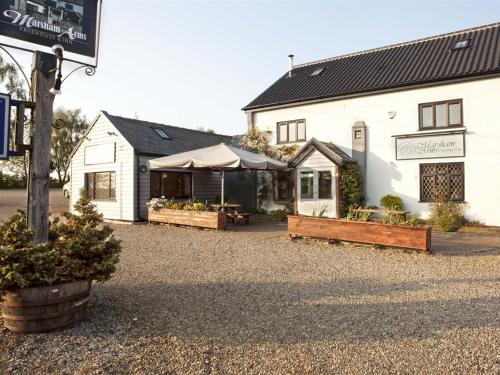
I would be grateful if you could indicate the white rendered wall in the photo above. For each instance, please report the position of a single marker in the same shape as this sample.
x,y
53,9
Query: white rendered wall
x,y
332,121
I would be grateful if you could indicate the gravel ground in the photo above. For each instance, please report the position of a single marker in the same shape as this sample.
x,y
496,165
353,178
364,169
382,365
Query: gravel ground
x,y
187,301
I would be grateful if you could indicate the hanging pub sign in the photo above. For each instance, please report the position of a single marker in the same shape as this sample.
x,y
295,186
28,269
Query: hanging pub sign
x,y
4,125
74,24
428,146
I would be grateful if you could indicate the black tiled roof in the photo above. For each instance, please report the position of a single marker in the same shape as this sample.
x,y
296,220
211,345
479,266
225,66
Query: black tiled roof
x,y
144,139
406,64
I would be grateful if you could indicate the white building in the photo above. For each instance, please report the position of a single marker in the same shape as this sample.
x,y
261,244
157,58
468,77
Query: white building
x,y
415,116
110,163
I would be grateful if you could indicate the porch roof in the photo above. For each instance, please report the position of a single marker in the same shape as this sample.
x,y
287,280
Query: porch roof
x,y
328,149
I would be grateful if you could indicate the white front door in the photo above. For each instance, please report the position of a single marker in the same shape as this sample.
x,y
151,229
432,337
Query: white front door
x,y
316,189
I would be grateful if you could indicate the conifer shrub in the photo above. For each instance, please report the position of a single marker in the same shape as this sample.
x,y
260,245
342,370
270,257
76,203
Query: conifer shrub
x,y
80,247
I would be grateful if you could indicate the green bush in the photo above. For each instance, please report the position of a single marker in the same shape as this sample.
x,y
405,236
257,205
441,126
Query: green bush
x,y
350,188
446,215
278,215
391,202
79,248
11,182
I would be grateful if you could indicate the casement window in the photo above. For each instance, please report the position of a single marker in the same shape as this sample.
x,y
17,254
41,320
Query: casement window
x,y
170,185
324,185
438,115
101,185
306,185
443,179
291,131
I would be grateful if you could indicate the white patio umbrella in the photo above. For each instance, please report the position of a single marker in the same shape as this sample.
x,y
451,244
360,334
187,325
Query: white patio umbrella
x,y
219,157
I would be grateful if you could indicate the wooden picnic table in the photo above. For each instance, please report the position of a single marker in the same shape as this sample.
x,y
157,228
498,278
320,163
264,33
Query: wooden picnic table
x,y
222,207
232,212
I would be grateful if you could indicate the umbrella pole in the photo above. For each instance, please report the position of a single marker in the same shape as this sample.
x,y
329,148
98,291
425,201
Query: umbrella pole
x,y
222,187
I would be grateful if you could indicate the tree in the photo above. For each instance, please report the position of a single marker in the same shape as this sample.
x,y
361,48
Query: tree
x,y
65,139
206,130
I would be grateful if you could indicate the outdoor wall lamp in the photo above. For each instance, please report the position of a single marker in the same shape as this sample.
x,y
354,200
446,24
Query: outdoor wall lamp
x,y
58,51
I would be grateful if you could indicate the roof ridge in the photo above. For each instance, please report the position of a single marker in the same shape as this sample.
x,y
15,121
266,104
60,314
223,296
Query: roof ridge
x,y
167,125
397,45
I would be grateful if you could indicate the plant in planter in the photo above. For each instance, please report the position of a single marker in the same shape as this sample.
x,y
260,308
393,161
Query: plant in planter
x,y
46,286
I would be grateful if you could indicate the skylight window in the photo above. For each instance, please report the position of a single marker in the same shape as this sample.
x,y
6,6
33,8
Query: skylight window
x,y
460,44
317,72
162,133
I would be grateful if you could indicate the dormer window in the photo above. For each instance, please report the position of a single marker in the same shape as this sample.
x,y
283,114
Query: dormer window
x,y
461,44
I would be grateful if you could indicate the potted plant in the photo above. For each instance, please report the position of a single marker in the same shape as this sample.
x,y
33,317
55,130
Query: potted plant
x,y
47,286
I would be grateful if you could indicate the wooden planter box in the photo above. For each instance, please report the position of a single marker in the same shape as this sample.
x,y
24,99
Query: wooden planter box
x,y
358,231
45,308
202,219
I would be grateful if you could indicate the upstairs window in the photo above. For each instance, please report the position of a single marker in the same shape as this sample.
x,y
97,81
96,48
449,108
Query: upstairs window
x,y
446,114
291,131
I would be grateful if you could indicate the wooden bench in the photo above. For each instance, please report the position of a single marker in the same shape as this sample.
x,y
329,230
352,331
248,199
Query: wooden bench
x,y
239,217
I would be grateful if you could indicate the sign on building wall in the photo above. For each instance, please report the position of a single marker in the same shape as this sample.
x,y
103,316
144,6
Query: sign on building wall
x,y
100,154
72,23
430,146
4,125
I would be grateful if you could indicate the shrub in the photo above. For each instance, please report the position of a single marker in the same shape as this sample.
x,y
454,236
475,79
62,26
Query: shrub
x,y
412,220
278,215
350,188
391,202
446,215
80,247
391,217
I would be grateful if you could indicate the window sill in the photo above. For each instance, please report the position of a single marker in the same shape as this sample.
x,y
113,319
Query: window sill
x,y
443,129
290,142
451,201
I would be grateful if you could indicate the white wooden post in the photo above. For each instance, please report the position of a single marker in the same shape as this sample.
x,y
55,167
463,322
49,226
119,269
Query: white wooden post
x,y
222,187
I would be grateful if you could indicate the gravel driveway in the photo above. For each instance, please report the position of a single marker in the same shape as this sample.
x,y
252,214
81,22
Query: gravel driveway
x,y
187,301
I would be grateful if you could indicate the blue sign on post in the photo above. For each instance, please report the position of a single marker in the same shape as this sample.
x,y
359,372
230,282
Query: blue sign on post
x,y
4,125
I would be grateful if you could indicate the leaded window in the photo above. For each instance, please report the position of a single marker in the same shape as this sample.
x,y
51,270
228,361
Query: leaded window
x,y
101,185
442,180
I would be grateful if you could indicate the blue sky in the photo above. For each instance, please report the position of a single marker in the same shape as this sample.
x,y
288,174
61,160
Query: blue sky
x,y
197,63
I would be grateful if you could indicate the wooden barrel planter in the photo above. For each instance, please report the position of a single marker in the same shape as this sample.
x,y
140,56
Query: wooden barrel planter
x,y
45,308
